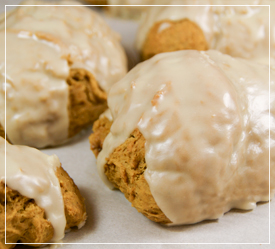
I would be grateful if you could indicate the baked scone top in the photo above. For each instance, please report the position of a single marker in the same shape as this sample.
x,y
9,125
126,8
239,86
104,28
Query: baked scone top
x,y
204,116
43,44
35,178
240,31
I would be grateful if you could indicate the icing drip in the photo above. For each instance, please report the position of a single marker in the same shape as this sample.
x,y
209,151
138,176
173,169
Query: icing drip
x,y
37,92
32,174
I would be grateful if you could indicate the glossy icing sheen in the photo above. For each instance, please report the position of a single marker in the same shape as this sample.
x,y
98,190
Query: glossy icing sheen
x,y
107,114
43,44
240,31
35,178
37,92
205,118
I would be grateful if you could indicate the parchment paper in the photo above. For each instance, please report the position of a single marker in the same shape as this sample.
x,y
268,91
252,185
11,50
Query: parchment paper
x,y
111,219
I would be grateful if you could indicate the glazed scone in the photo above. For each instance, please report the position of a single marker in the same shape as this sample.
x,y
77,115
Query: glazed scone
x,y
61,62
42,200
190,136
240,31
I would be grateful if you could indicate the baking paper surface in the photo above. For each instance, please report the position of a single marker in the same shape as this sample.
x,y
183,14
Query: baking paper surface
x,y
111,219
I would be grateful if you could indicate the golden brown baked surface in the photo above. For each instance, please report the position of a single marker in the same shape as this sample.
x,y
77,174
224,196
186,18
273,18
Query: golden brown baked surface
x,y
86,101
179,35
27,222
75,210
125,169
101,129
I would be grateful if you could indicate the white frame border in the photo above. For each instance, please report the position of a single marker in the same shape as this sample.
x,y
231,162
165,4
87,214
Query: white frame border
x,y
129,243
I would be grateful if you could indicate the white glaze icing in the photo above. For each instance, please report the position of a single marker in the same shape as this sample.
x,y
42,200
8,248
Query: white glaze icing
x,y
43,44
240,31
91,43
107,114
205,119
37,92
32,174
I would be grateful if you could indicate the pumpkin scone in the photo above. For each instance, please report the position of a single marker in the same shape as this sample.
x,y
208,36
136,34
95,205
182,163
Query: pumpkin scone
x,y
42,201
61,62
240,31
189,138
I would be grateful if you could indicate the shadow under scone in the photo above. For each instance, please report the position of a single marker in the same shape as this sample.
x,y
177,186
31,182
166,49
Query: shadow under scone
x,y
169,36
125,169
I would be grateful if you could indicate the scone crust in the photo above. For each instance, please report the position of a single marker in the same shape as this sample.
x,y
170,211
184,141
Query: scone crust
x,y
101,128
178,35
125,169
75,210
26,221
86,100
